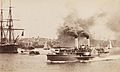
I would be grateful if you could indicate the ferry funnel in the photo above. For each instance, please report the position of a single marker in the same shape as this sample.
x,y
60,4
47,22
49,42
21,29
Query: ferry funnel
x,y
88,42
76,43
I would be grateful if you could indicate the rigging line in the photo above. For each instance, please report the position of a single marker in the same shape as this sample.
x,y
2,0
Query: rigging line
x,y
13,34
4,34
1,20
7,33
1,4
10,2
13,31
10,21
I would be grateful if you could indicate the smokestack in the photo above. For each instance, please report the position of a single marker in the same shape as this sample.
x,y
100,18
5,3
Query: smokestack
x,y
88,41
76,43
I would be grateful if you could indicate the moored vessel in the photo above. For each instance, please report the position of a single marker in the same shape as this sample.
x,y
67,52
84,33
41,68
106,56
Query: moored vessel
x,y
8,42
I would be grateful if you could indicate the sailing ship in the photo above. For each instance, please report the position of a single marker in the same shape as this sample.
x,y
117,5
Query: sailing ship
x,y
8,43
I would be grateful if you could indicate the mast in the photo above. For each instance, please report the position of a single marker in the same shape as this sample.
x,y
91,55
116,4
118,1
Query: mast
x,y
10,22
1,21
10,25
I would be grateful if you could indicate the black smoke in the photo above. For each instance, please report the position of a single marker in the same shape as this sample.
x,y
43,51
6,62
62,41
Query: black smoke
x,y
70,31
83,34
74,27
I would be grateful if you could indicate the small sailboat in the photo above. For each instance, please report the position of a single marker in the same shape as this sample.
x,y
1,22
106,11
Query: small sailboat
x,y
46,46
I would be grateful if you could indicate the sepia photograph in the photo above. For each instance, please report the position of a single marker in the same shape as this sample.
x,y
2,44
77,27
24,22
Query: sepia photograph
x,y
59,35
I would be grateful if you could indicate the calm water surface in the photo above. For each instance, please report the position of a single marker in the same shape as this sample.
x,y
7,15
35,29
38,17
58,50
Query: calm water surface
x,y
27,63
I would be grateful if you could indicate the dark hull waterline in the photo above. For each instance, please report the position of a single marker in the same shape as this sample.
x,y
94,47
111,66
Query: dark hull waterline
x,y
61,57
67,58
8,49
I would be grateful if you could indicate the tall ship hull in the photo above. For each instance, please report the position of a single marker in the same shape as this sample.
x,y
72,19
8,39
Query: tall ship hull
x,y
9,48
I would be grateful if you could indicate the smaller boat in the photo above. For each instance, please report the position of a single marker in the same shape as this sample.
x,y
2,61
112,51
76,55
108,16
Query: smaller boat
x,y
28,51
23,51
34,53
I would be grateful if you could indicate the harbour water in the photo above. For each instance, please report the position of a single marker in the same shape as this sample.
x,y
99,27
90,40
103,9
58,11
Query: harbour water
x,y
38,63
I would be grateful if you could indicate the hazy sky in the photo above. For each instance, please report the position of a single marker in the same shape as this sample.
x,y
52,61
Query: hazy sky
x,y
43,17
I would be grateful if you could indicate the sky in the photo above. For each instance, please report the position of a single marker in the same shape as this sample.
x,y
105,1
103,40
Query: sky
x,y
43,17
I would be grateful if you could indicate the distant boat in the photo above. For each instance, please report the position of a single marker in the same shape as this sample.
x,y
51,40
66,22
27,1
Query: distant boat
x,y
46,46
8,43
34,53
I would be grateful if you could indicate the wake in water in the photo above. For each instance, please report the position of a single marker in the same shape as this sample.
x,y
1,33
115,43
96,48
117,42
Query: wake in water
x,y
61,62
113,55
107,58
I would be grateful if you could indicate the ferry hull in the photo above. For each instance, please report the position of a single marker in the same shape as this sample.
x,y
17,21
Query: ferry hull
x,y
67,57
8,49
85,57
61,58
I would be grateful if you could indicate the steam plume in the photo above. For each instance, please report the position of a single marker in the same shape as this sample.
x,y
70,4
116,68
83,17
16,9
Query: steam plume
x,y
74,27
114,25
